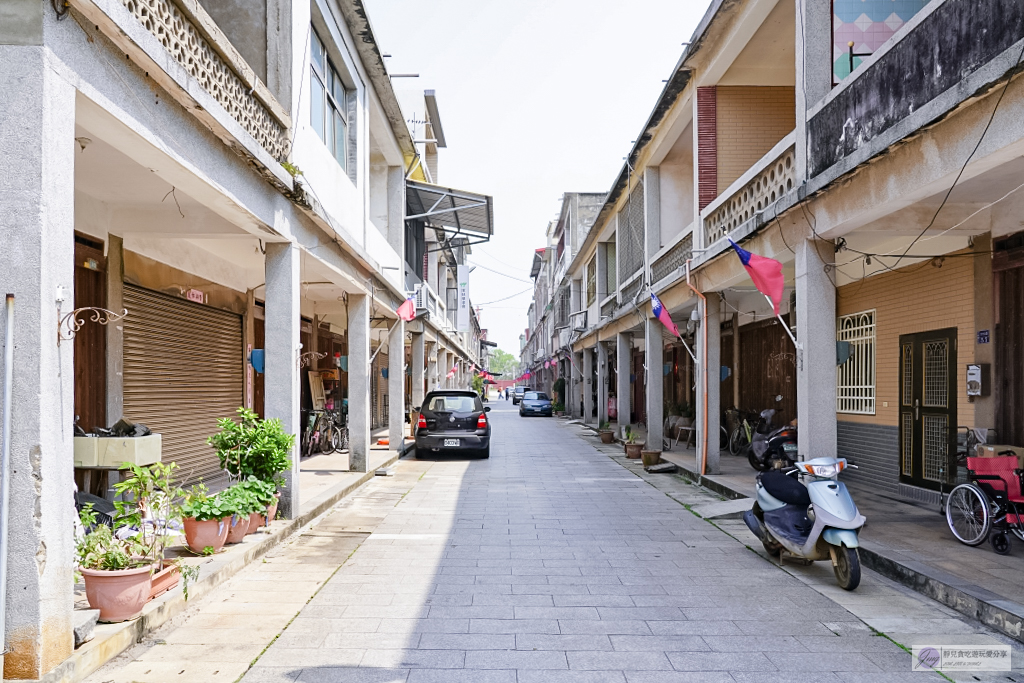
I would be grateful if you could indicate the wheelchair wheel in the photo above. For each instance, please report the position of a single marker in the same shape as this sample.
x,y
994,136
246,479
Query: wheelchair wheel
x,y
967,513
1001,543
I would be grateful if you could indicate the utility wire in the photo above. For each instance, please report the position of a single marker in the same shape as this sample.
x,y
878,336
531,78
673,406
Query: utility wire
x,y
510,296
498,272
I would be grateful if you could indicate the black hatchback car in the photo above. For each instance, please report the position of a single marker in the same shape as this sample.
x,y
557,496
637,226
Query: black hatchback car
x,y
453,422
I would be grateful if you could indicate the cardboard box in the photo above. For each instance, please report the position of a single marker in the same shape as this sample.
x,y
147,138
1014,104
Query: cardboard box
x,y
994,450
110,453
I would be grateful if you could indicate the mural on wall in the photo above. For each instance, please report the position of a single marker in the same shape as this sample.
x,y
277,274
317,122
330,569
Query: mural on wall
x,y
867,24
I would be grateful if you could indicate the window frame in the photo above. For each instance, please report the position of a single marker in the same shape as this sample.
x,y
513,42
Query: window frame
x,y
592,280
857,384
328,83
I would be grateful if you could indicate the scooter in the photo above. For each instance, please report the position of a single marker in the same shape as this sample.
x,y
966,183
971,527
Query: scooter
x,y
813,522
772,448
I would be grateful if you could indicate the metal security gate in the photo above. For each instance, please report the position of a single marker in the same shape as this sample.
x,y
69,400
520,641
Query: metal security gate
x,y
928,408
182,371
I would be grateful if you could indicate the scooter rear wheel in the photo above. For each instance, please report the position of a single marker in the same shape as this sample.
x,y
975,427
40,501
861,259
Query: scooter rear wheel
x,y
754,462
847,567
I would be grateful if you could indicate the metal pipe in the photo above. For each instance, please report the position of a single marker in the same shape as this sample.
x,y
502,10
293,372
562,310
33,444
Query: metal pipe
x,y
5,464
704,368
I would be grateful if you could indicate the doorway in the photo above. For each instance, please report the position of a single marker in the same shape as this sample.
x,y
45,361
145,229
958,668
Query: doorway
x,y
928,407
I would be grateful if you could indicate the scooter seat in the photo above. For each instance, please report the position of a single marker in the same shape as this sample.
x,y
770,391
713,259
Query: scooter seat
x,y
786,488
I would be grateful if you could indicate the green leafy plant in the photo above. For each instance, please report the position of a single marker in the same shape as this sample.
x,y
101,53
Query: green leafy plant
x,y
605,425
244,499
558,389
100,549
292,169
149,489
189,575
203,507
253,447
558,407
685,410
629,434
478,384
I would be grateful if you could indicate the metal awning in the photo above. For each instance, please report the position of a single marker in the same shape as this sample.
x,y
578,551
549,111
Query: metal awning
x,y
456,211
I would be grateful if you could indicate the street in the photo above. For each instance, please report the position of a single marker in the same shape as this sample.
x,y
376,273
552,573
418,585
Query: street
x,y
549,562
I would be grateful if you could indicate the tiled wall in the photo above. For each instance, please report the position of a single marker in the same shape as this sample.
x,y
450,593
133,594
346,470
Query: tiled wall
x,y
750,121
868,23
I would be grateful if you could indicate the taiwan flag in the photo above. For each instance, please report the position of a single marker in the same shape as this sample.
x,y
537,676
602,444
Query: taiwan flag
x,y
407,311
661,314
765,272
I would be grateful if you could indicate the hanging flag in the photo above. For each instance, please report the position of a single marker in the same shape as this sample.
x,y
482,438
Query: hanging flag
x,y
765,272
407,311
662,314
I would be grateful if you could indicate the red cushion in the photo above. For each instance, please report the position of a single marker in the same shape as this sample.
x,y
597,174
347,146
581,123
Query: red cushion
x,y
1002,466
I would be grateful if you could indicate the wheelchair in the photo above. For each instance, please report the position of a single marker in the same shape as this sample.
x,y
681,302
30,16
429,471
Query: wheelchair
x,y
990,505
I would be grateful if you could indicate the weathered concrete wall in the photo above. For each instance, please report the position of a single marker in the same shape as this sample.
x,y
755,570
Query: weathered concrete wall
x,y
37,130
244,22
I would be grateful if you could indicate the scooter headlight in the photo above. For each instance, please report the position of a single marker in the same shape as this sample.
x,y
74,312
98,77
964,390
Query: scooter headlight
x,y
827,471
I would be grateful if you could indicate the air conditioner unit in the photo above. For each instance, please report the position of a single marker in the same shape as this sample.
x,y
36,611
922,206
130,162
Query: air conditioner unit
x,y
421,295
580,322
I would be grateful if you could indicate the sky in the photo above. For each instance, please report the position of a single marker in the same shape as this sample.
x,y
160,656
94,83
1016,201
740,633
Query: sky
x,y
537,98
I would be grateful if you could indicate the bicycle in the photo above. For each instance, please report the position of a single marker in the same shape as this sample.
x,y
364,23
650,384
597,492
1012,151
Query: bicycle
x,y
334,434
311,436
743,434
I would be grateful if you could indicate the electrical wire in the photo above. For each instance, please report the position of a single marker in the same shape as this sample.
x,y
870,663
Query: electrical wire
x,y
498,272
963,168
510,296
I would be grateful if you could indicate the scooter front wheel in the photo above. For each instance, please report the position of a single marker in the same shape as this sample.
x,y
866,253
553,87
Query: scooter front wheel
x,y
846,567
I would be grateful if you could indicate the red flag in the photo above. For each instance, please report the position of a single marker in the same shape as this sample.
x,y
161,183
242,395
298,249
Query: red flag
x,y
765,272
661,314
407,311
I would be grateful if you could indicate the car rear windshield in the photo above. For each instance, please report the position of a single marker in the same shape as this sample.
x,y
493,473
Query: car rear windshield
x,y
536,396
456,404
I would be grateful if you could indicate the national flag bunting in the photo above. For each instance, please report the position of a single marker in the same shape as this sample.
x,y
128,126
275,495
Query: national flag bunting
x,y
662,314
765,272
407,311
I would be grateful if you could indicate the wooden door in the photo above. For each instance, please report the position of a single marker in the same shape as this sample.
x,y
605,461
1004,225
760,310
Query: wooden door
x,y
928,407
91,339
1008,274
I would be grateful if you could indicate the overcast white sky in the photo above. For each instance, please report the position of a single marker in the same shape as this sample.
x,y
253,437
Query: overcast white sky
x,y
537,97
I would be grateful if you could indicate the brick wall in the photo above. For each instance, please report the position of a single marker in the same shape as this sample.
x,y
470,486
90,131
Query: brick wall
x,y
750,121
916,298
875,451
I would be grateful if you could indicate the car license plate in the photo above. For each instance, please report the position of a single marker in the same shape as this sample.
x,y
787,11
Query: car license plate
x,y
451,442
789,447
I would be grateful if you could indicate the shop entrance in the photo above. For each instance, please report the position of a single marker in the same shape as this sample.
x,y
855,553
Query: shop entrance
x,y
927,407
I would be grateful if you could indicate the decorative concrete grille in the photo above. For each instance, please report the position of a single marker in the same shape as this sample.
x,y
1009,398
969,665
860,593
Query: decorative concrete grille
x,y
630,290
673,259
197,56
607,309
855,379
775,181
631,234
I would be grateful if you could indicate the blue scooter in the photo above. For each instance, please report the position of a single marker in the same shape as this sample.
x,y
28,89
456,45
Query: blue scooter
x,y
816,521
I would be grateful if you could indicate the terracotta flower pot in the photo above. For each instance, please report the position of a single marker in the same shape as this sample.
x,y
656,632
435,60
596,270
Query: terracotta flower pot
x,y
164,580
633,450
119,595
255,522
272,509
238,527
210,533
607,436
650,458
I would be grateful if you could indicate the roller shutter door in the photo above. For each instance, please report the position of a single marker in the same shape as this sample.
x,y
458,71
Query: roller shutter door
x,y
183,371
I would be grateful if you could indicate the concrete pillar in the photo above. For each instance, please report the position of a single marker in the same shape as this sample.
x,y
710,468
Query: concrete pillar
x,y
359,382
602,383
37,130
419,351
736,360
431,370
588,396
574,404
813,69
712,373
396,385
115,331
654,355
248,341
816,362
283,318
623,355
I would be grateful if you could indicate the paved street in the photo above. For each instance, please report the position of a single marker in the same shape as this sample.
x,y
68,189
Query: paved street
x,y
549,562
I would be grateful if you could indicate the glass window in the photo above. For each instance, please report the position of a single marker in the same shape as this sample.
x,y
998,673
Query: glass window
x,y
536,396
459,404
328,106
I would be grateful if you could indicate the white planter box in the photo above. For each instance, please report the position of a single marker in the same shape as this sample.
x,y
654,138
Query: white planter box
x,y
112,452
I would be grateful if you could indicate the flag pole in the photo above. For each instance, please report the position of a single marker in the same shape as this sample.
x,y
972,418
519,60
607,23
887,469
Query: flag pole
x,y
784,325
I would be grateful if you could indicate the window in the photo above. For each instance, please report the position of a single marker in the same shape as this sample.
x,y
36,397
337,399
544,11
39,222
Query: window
x,y
592,281
328,106
453,404
855,379
536,396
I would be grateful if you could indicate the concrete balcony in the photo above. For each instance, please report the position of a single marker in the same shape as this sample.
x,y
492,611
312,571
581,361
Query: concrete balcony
x,y
771,178
670,259
184,50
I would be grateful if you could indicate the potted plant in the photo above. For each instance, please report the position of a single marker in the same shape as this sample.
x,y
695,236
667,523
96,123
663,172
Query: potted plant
x,y
206,520
631,446
650,458
148,503
605,432
265,492
249,499
253,447
558,389
116,571
559,409
685,414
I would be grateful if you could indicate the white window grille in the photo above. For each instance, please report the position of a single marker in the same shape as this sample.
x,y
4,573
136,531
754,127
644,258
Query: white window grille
x,y
855,379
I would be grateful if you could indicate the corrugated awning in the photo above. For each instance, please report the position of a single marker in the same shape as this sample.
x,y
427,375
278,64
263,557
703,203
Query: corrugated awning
x,y
457,211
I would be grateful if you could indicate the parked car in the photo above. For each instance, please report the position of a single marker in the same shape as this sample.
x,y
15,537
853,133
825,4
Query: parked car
x,y
453,422
535,403
517,394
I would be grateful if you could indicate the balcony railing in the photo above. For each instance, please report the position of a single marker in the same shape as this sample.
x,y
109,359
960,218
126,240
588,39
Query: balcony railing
x,y
673,258
772,177
192,38
608,307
